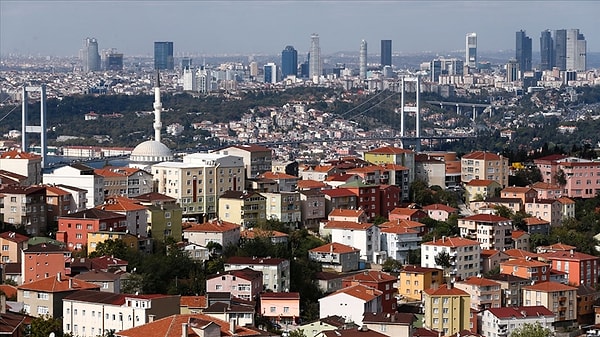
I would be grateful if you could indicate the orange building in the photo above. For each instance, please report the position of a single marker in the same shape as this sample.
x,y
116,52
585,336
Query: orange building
x,y
42,261
526,268
377,280
582,269
74,228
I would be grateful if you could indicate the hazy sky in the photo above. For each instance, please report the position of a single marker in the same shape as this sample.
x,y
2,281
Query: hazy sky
x,y
58,28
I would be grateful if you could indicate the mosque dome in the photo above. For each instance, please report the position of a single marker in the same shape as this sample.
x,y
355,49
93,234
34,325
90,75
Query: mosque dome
x,y
151,152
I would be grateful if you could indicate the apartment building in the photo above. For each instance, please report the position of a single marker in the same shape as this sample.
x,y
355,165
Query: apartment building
x,y
464,254
491,231
484,165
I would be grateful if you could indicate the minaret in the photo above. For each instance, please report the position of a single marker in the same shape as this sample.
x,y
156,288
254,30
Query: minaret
x,y
363,60
157,109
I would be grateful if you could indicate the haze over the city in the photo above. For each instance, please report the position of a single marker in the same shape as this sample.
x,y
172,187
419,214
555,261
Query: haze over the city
x,y
57,28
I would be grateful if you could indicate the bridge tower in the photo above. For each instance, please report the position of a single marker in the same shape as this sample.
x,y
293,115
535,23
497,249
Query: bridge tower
x,y
416,109
41,129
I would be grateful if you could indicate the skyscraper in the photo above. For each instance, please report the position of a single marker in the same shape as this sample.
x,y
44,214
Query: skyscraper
x,y
523,51
512,70
471,50
576,51
270,72
363,60
89,55
315,67
546,51
560,49
289,62
386,53
163,56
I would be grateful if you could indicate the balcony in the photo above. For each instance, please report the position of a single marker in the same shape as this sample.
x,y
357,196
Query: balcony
x,y
562,299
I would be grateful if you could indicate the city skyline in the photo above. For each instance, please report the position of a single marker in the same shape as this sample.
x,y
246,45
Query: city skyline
x,y
33,27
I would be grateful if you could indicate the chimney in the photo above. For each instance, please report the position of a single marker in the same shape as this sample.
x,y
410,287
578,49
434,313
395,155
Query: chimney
x,y
70,283
58,278
232,326
151,318
184,330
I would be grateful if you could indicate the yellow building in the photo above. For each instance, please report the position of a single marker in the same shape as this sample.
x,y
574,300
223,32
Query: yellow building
x,y
484,165
245,208
94,238
447,309
413,280
559,298
393,155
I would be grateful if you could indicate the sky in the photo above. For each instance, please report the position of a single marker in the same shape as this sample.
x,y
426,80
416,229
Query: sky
x,y
196,27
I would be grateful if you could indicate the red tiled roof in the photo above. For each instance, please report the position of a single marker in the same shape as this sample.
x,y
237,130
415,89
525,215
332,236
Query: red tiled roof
x,y
257,233
390,150
214,226
524,263
481,155
533,221
193,301
359,291
347,212
451,242
53,285
485,218
308,183
443,290
519,253
488,252
442,207
371,276
520,312
339,192
549,287
335,248
280,295
405,211
569,256
398,230
517,234
16,154
402,223
14,237
348,225
8,290
479,282
277,175
565,200
480,182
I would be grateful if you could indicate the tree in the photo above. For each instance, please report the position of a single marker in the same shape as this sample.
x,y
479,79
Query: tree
x,y
116,248
44,325
442,259
297,333
531,330
391,265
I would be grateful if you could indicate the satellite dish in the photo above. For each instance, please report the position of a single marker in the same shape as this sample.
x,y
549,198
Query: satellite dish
x,y
52,334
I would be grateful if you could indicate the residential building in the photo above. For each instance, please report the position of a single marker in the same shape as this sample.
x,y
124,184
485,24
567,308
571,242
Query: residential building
x,y
136,216
335,322
381,281
164,215
398,242
546,209
568,208
73,228
281,307
581,269
367,198
94,238
390,197
79,196
537,226
240,312
195,251
285,182
257,159
313,208
407,213
521,240
363,236
45,296
59,202
88,313
429,170
339,198
245,208
352,215
276,272
80,176
419,227
413,280
559,298
390,324
41,261
24,163
525,194
336,256
464,254
109,282
197,182
221,232
484,165
533,270
477,189
397,175
393,155
13,244
24,206
500,322
547,190
484,293
242,283
285,207
511,288
491,231
125,181
446,309
491,259
351,303
574,175
440,212
364,330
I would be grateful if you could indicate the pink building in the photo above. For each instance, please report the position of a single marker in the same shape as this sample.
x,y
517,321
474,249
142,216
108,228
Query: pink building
x,y
243,283
580,177
282,308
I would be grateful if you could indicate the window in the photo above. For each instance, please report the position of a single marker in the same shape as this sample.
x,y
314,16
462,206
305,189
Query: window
x,y
26,294
272,309
42,310
4,247
286,309
43,296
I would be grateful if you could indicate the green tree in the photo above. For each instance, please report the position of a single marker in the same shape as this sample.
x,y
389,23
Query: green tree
x,y
116,248
297,333
531,330
442,259
391,265
44,325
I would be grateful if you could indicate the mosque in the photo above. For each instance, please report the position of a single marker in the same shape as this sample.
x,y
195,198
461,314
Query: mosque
x,y
151,152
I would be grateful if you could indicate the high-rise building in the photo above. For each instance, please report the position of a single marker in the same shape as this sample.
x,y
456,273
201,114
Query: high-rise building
x,y
560,49
111,60
315,67
89,55
546,51
186,63
386,53
443,66
289,62
163,56
576,51
471,50
270,72
512,70
363,60
523,51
